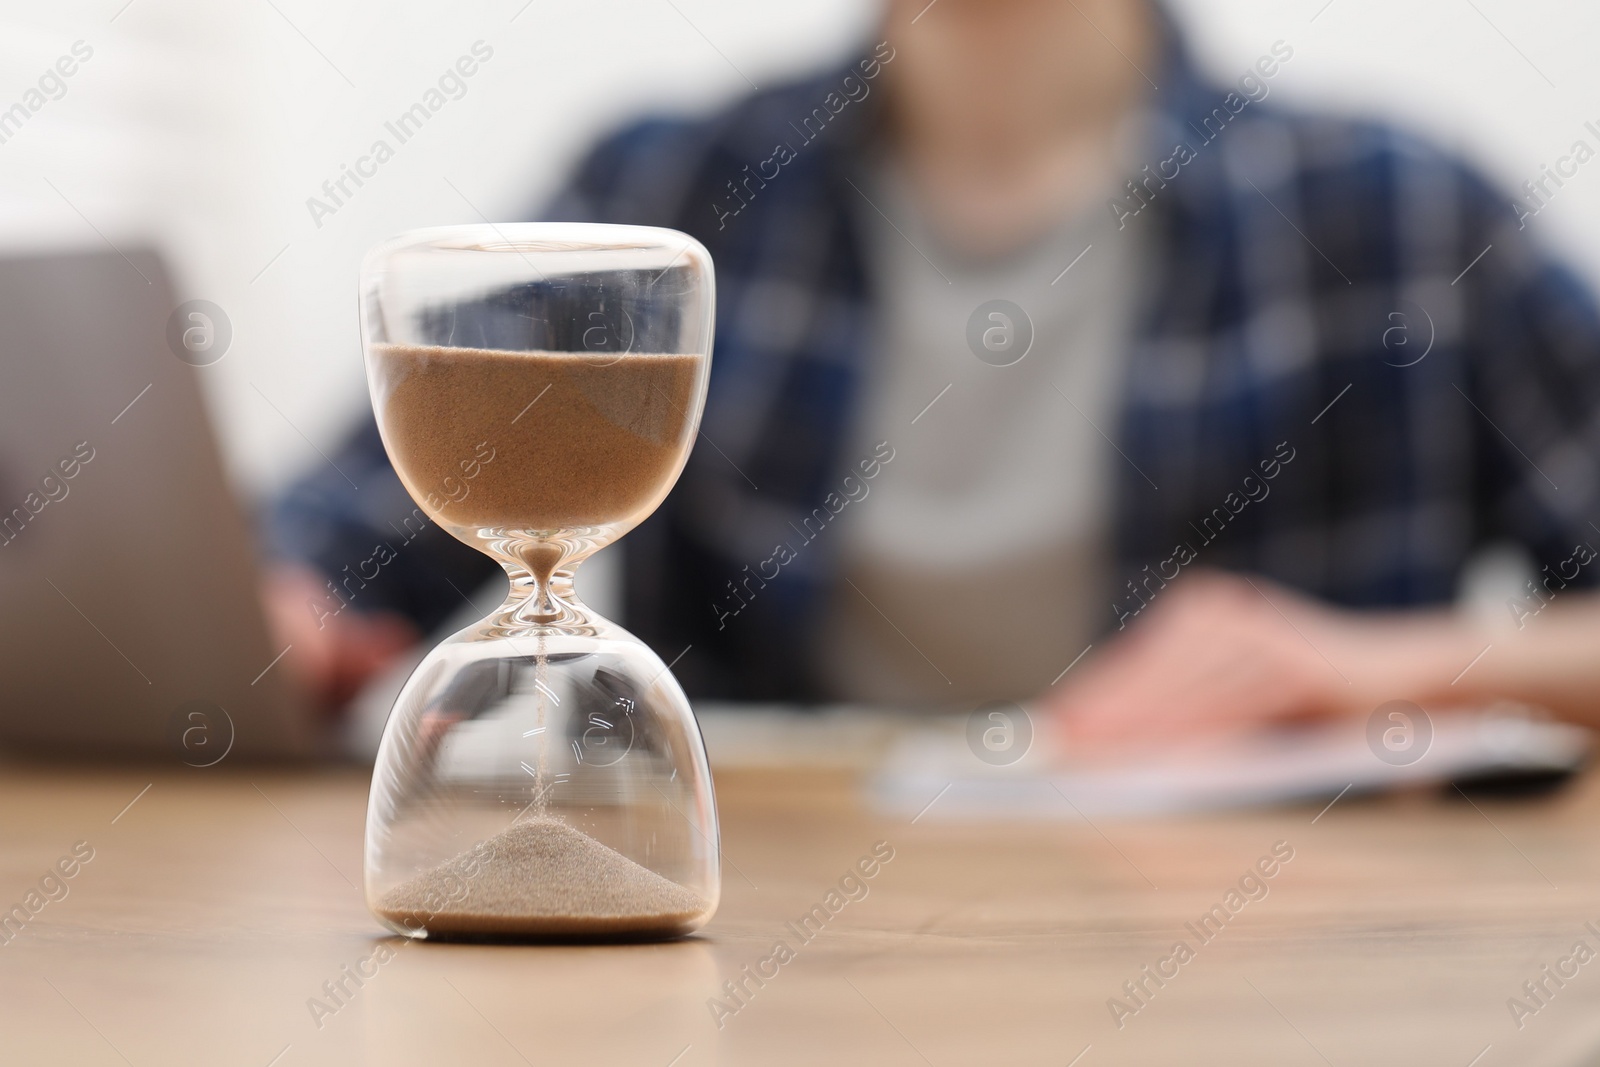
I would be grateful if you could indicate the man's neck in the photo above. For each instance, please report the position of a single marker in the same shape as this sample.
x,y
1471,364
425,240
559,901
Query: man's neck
x,y
1002,133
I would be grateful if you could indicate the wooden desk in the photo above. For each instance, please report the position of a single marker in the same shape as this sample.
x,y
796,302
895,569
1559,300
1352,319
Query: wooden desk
x,y
217,905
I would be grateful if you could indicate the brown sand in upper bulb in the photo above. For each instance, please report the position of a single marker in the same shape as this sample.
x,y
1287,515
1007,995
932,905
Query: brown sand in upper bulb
x,y
573,438
542,878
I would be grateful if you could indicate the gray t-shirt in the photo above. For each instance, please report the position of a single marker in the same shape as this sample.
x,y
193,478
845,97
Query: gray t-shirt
x,y
976,568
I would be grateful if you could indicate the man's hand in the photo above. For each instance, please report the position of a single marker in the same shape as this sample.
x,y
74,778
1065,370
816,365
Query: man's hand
x,y
331,655
1216,652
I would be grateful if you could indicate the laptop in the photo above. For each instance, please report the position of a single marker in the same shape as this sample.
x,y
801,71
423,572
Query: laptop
x,y
131,624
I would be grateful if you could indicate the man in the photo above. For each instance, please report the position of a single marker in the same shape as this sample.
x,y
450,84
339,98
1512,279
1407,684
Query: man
x,y
1029,339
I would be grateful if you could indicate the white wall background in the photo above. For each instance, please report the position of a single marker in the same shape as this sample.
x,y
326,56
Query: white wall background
x,y
203,127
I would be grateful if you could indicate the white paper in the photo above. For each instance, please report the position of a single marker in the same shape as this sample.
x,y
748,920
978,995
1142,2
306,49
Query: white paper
x,y
931,775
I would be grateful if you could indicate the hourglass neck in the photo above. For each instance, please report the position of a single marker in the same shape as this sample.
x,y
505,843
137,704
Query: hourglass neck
x,y
541,604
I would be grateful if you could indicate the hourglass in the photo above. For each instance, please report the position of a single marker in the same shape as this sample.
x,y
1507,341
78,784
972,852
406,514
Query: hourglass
x,y
538,388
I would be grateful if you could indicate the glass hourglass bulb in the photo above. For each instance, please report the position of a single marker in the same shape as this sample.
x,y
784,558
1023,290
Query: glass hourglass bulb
x,y
538,388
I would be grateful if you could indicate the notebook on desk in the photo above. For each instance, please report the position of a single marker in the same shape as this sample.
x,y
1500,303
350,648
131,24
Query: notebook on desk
x,y
931,773
924,767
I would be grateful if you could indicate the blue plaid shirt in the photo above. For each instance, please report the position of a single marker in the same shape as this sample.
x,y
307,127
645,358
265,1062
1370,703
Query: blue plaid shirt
x,y
1350,369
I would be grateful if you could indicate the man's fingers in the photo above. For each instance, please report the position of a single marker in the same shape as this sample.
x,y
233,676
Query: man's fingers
x,y
1218,657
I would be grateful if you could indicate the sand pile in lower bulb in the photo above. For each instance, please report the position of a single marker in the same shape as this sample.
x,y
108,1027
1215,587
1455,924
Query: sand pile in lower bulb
x,y
542,878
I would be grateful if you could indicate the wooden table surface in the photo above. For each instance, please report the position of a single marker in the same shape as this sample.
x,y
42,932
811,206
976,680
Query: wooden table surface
x,y
217,905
